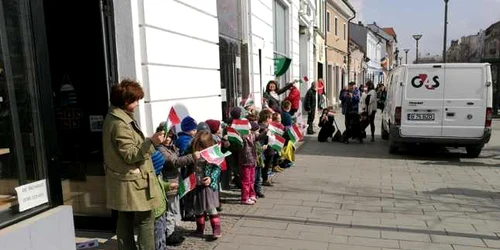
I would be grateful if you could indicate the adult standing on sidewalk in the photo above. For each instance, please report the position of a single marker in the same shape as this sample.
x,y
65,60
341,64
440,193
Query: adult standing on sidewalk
x,y
130,178
271,95
350,101
310,107
294,98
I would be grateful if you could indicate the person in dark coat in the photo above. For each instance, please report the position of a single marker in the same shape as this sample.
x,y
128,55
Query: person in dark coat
x,y
326,124
310,107
271,95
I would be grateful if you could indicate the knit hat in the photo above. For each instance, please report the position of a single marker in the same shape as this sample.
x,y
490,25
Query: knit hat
x,y
158,161
236,113
203,126
188,124
254,126
214,125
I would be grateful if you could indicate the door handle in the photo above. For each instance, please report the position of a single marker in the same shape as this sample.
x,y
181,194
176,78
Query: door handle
x,y
450,113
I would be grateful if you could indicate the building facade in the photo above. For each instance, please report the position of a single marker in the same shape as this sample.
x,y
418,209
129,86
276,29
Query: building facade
x,y
338,15
491,54
357,63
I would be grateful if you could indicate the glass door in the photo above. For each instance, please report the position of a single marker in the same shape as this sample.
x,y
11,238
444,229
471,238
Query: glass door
x,y
22,158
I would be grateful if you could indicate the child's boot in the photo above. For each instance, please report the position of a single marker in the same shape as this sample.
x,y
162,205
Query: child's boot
x,y
200,224
215,222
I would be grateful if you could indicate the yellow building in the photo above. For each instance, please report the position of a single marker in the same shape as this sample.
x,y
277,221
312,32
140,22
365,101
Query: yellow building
x,y
338,15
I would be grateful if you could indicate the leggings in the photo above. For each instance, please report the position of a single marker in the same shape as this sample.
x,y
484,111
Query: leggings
x,y
372,122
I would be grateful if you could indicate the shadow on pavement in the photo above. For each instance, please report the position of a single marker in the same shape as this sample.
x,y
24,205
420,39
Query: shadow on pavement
x,y
465,192
355,226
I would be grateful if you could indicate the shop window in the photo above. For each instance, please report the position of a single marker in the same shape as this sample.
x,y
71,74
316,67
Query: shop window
x,y
22,158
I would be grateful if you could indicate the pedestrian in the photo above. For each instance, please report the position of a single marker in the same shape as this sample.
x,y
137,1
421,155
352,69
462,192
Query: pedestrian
x,y
350,102
294,98
310,108
130,178
381,96
248,161
160,224
216,130
265,117
173,163
370,106
271,95
206,193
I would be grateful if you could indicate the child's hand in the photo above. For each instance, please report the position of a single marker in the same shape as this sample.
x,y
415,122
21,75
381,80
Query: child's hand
x,y
196,155
227,144
206,181
174,186
264,147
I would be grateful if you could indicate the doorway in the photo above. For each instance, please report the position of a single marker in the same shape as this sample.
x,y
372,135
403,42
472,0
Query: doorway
x,y
82,65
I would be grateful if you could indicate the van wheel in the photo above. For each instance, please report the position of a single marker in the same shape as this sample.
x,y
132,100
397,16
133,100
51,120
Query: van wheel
x,y
474,151
385,134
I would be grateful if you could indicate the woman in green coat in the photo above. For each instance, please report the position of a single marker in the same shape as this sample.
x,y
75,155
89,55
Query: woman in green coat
x,y
131,186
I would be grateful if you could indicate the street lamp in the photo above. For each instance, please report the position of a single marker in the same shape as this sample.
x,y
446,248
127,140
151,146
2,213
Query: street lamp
x,y
417,37
445,29
406,52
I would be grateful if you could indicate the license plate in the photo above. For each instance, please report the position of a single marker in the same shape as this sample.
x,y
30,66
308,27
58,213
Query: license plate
x,y
421,117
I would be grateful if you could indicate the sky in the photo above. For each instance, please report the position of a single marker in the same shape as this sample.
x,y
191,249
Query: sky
x,y
426,17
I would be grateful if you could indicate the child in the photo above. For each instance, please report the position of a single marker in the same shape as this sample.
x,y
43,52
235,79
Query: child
x,y
248,160
189,128
159,212
216,130
285,114
265,117
173,162
206,195
276,168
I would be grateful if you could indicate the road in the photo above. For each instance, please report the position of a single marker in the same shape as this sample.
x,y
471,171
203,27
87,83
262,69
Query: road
x,y
358,196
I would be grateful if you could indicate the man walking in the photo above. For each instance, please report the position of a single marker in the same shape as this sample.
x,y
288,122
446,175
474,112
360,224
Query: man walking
x,y
350,101
310,107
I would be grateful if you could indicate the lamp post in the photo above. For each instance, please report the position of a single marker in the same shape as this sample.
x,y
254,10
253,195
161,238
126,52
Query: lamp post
x,y
417,37
406,52
445,29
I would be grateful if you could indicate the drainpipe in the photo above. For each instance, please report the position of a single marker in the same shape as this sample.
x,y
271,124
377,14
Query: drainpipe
x,y
348,39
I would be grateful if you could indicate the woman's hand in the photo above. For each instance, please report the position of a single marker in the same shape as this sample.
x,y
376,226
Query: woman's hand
x,y
158,138
196,155
174,186
206,181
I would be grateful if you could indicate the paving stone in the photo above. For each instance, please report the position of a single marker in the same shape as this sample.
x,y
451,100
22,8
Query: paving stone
x,y
416,245
363,241
357,232
337,246
458,240
405,236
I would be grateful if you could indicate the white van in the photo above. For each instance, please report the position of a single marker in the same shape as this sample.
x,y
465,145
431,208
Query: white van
x,y
447,104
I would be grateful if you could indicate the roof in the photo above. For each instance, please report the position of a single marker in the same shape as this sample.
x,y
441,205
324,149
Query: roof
x,y
390,31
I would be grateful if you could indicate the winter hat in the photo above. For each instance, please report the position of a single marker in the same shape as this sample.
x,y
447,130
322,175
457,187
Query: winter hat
x,y
236,113
254,126
188,124
203,126
158,161
214,125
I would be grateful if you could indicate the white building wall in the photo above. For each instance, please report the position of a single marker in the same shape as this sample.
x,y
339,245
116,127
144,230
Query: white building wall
x,y
374,52
261,36
175,59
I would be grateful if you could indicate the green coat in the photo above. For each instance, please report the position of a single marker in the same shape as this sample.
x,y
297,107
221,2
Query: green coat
x,y
130,177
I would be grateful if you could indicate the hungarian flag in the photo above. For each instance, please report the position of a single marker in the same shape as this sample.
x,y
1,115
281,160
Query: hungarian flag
x,y
214,155
233,137
173,119
276,142
276,128
186,185
294,133
223,165
242,126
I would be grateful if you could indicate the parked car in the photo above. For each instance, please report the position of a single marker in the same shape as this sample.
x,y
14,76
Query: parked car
x,y
446,104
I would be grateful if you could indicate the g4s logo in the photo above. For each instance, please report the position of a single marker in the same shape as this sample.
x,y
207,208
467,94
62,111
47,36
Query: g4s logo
x,y
420,80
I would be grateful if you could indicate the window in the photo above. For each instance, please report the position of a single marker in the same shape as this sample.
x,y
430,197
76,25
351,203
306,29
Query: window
x,y
281,33
345,32
336,26
22,158
327,21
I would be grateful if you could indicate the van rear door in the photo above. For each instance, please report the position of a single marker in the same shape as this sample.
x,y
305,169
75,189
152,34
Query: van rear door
x,y
465,100
422,105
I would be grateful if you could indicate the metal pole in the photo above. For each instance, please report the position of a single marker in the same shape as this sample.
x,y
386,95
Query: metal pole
x,y
445,29
416,57
406,54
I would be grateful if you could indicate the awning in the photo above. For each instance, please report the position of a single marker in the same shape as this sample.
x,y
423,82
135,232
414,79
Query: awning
x,y
281,65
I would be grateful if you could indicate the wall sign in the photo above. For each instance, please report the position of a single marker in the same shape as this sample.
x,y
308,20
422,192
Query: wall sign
x,y
32,195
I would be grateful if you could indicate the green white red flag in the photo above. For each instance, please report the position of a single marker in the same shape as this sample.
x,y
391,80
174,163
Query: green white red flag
x,y
233,137
172,120
242,126
276,142
294,133
186,185
214,155
276,128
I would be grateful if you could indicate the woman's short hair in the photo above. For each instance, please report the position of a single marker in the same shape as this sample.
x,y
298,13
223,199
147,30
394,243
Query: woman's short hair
x,y
125,92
